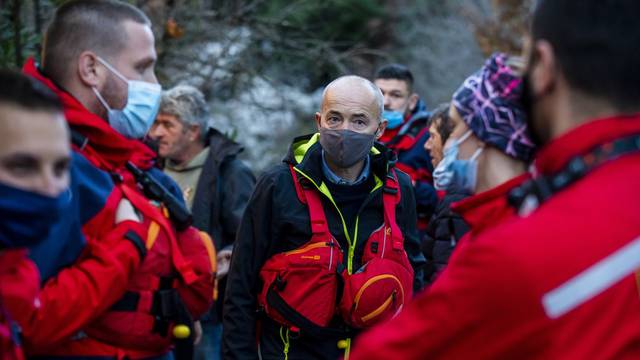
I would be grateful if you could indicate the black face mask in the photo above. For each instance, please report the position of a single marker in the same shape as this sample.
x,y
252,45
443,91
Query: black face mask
x,y
345,147
527,104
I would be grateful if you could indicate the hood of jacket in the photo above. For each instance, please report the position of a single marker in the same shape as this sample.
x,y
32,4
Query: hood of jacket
x,y
221,147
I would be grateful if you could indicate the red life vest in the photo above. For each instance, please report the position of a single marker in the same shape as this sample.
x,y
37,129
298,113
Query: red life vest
x,y
146,315
301,286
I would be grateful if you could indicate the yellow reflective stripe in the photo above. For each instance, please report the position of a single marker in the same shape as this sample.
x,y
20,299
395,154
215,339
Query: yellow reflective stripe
x,y
152,234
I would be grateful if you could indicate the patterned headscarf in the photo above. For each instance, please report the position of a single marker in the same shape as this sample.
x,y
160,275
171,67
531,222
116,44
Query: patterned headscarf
x,y
490,103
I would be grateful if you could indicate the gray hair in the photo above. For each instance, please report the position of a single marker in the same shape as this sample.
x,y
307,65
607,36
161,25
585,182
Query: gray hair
x,y
187,104
379,98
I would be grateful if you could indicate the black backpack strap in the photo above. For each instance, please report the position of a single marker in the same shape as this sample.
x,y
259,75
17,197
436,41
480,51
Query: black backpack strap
x,y
530,195
306,326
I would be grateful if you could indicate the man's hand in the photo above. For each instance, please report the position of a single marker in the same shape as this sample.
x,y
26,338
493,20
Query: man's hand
x,y
224,261
125,211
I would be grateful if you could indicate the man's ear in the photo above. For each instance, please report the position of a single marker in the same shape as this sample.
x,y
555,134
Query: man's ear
x,y
318,120
381,128
413,101
196,132
89,73
544,71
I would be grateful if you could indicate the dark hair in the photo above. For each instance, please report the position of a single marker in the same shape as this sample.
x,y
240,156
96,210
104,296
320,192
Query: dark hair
x,y
82,25
444,125
26,92
395,71
596,46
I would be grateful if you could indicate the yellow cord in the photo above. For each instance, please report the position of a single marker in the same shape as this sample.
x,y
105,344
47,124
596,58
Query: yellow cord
x,y
347,351
285,341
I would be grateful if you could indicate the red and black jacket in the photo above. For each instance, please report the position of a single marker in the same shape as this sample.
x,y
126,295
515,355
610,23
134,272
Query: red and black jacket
x,y
276,221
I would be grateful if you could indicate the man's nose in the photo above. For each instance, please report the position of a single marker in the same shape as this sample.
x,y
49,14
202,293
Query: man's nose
x,y
52,184
155,132
387,101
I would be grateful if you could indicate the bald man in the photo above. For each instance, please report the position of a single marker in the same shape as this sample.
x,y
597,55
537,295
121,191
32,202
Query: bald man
x,y
327,245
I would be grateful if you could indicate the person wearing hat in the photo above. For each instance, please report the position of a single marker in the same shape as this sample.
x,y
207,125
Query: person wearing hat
x,y
559,280
486,153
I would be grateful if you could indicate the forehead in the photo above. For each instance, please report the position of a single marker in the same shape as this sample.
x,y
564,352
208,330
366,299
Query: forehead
x,y
350,100
388,85
140,43
42,134
165,117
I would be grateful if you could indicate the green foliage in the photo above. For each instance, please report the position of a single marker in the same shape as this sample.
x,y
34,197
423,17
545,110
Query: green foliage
x,y
315,36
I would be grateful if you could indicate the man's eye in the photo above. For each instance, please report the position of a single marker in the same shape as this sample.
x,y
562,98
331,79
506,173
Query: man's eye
x,y
333,119
61,168
21,168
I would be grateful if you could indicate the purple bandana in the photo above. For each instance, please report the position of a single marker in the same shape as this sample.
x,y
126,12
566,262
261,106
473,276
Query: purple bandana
x,y
489,102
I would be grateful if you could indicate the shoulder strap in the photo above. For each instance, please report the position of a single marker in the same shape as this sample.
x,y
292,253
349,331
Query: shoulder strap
x,y
390,198
530,195
142,204
307,195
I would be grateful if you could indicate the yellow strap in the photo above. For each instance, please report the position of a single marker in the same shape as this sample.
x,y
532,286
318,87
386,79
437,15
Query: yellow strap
x,y
152,234
211,251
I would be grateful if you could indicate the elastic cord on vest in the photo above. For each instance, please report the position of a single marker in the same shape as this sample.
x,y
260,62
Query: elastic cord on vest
x,y
533,193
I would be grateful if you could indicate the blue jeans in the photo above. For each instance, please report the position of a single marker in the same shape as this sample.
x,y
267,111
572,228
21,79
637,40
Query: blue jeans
x,y
210,347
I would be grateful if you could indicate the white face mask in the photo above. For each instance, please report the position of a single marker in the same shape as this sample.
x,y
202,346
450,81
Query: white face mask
x,y
143,101
452,172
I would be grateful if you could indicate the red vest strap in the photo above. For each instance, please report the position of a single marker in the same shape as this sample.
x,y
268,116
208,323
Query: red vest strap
x,y
391,197
141,203
319,226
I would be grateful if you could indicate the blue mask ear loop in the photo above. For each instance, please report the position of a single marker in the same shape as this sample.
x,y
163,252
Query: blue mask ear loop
x,y
116,73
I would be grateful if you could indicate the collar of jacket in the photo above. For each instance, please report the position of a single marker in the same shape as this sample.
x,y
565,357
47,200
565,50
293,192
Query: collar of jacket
x,y
488,208
221,146
557,153
305,153
105,147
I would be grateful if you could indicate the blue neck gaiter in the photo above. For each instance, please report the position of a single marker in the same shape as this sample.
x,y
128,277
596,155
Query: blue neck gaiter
x,y
27,217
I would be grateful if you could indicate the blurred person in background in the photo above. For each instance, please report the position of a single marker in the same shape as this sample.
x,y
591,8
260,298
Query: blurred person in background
x,y
215,184
406,134
35,156
36,203
559,279
445,226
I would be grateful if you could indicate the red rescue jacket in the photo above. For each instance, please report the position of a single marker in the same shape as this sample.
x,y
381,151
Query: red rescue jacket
x,y
177,262
560,282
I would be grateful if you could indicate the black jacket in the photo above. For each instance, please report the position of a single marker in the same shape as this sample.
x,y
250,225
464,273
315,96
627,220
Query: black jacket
x,y
445,229
222,193
276,221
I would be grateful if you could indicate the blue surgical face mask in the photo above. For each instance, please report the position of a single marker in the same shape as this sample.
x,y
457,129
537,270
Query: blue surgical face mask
x,y
452,172
143,101
26,217
394,118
